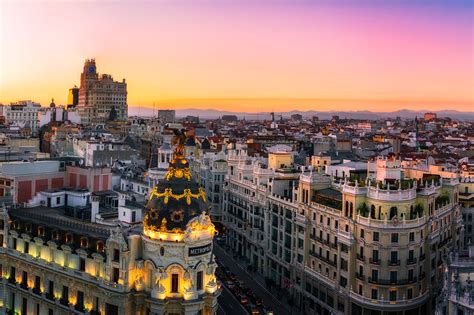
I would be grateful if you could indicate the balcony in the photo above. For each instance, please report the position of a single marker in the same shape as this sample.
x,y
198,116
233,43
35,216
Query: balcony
x,y
394,262
324,259
445,241
360,276
345,237
391,195
387,304
373,280
411,261
360,258
374,261
369,222
392,281
322,241
24,285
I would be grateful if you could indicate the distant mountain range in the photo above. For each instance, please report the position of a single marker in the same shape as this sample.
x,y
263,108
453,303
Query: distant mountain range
x,y
214,113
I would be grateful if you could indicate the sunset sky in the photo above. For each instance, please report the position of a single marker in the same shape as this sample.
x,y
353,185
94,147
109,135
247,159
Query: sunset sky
x,y
247,55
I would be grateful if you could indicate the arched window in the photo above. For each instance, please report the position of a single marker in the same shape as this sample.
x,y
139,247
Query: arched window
x,y
351,209
372,212
346,208
393,212
40,231
68,238
84,242
100,246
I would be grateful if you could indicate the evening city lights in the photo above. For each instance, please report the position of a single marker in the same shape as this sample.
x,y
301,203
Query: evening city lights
x,y
233,157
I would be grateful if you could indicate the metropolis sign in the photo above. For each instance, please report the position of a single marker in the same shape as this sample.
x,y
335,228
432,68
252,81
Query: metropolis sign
x,y
201,250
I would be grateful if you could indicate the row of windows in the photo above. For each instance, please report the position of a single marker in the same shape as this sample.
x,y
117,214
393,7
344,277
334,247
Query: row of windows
x,y
394,237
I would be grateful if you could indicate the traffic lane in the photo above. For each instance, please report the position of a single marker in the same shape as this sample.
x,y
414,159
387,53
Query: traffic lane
x,y
229,304
268,299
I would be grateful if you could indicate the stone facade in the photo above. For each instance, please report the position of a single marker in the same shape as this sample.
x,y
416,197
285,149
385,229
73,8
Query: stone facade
x,y
349,247
99,94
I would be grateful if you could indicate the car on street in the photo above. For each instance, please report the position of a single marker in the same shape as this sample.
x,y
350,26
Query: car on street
x,y
243,299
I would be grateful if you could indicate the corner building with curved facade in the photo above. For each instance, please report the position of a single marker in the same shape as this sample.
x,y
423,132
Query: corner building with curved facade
x,y
52,262
367,243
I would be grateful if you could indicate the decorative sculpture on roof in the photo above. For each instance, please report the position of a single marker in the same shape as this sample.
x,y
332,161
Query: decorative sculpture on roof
x,y
200,223
159,276
178,141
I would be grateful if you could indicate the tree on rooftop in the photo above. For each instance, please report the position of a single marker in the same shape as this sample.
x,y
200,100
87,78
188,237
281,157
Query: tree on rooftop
x,y
364,210
113,114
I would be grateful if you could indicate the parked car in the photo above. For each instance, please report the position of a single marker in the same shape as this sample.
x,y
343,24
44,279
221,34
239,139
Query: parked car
x,y
230,284
243,299
252,309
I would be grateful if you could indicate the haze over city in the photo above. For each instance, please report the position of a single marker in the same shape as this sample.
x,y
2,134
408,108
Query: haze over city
x,y
226,157
246,56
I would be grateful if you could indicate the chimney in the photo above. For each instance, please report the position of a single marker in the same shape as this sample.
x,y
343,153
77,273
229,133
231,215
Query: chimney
x,y
94,208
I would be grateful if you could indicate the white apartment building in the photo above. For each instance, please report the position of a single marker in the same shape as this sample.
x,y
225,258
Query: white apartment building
x,y
101,153
210,170
22,114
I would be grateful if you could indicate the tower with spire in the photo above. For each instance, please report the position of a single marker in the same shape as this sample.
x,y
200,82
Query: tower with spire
x,y
177,238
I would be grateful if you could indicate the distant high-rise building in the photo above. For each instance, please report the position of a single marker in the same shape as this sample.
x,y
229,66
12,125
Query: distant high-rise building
x,y
23,114
296,117
430,116
229,118
167,115
99,94
73,97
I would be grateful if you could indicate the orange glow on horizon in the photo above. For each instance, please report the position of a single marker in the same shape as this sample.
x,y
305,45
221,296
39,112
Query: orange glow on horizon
x,y
244,57
261,105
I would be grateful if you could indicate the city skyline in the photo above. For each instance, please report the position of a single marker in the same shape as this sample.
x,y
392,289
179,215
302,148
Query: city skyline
x,y
271,56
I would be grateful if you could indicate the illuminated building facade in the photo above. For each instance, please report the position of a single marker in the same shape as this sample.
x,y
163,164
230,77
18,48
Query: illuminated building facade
x,y
53,261
73,97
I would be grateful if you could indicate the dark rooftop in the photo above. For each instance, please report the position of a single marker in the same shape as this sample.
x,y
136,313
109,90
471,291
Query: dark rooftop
x,y
55,217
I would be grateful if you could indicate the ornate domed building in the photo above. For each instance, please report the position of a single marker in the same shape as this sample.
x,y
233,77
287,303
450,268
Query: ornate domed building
x,y
57,263
177,238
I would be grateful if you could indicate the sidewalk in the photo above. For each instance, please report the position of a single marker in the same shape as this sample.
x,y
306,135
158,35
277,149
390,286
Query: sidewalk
x,y
256,281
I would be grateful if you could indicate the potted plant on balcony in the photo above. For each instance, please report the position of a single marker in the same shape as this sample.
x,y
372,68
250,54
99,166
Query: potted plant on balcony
x,y
363,210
